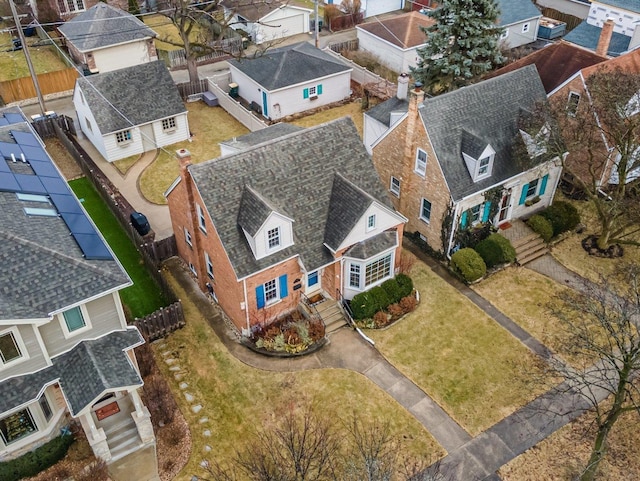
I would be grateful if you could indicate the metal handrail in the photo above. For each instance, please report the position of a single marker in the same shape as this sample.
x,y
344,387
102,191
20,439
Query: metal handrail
x,y
342,302
315,315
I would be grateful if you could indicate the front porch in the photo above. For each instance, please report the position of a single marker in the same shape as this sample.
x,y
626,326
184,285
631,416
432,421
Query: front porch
x,y
525,241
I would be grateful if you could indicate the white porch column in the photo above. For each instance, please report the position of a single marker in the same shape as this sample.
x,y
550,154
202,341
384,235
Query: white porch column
x,y
142,418
96,437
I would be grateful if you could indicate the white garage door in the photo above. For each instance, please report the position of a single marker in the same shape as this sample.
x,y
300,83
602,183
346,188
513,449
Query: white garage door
x,y
378,7
291,25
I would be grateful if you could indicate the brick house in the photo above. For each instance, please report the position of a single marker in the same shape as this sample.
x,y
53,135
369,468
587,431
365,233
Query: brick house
x,y
298,215
450,164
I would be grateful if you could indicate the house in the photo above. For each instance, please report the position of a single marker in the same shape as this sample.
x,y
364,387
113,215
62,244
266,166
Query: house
x,y
131,110
611,28
520,20
66,351
105,38
575,8
556,63
462,159
575,90
291,79
267,21
238,144
298,215
395,41
44,9
371,8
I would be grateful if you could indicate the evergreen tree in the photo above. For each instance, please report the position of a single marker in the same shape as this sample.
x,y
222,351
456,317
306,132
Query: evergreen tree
x,y
462,44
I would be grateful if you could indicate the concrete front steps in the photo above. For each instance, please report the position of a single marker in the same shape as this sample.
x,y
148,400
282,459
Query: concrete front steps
x,y
331,314
122,439
529,247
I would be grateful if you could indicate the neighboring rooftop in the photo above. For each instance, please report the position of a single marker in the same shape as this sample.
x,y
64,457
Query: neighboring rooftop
x,y
631,5
102,26
403,31
254,11
514,11
131,96
290,65
259,136
52,255
382,112
587,36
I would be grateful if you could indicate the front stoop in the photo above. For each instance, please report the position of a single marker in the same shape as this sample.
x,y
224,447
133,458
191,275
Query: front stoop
x,y
529,248
123,439
331,314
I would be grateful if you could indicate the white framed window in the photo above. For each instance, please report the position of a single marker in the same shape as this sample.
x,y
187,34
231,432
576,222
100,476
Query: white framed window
x,y
421,163
187,237
475,213
371,222
70,6
504,34
271,291
532,188
201,220
88,123
11,348
572,103
169,125
193,269
123,137
273,238
525,27
394,186
354,275
75,320
313,91
425,210
483,166
17,426
209,264
377,270
313,278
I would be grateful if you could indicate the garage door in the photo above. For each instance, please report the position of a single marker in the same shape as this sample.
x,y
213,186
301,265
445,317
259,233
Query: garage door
x,y
292,25
378,7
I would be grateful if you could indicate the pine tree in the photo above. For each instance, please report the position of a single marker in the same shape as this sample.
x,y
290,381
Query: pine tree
x,y
462,44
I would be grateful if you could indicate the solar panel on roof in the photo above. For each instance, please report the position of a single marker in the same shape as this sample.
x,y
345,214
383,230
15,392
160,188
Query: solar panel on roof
x,y
44,169
66,203
78,223
8,182
54,185
33,152
3,121
25,138
8,148
14,118
30,183
4,167
92,246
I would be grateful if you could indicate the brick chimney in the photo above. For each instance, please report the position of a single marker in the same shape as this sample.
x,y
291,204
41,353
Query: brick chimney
x,y
416,97
403,86
184,159
605,38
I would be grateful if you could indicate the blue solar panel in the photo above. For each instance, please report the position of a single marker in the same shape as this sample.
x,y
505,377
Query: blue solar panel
x,y
35,153
8,182
54,185
78,223
30,184
14,118
92,246
4,167
66,203
44,169
8,148
3,121
25,138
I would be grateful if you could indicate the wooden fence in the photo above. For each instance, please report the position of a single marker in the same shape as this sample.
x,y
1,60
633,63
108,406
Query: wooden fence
x,y
162,322
188,89
571,21
345,21
242,115
222,49
50,83
347,46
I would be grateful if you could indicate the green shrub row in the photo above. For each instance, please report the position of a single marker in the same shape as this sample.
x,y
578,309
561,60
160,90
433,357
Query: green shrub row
x,y
541,226
366,304
31,463
495,250
563,217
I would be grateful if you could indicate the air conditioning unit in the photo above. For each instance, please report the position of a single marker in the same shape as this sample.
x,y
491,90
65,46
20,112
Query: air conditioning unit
x,y
313,97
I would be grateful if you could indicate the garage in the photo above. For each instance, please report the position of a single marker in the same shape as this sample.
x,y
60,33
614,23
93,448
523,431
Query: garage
x,y
282,22
378,7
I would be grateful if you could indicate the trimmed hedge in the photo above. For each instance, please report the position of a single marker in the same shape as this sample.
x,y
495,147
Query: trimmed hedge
x,y
366,304
563,217
496,249
541,226
33,462
393,290
468,263
363,305
406,284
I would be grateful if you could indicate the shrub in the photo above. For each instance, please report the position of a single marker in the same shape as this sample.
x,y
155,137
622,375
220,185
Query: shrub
x,y
405,283
392,288
33,462
363,306
541,226
175,432
408,304
468,263
495,250
380,318
379,297
563,217
159,400
96,471
395,310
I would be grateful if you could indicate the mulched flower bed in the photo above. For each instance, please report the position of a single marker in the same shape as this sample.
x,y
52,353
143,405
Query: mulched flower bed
x,y
590,244
391,314
292,334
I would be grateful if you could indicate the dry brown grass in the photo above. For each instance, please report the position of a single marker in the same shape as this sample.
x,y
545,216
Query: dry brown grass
x,y
237,398
166,30
352,109
13,65
470,365
63,159
123,165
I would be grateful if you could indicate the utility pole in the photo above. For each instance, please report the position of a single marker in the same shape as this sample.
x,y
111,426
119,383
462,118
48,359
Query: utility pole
x,y
34,77
315,23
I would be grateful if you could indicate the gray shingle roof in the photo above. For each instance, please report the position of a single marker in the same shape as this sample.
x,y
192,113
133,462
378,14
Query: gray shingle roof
x,y
488,110
254,210
263,135
631,5
472,145
297,171
514,11
103,25
290,65
142,93
587,36
85,373
373,246
382,112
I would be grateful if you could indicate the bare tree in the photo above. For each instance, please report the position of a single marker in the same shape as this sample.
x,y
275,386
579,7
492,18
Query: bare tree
x,y
601,322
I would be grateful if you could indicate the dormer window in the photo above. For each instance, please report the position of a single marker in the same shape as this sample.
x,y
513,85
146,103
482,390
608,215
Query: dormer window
x,y
273,238
478,156
483,168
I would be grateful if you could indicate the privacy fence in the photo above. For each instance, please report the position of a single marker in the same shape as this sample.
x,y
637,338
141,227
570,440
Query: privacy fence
x,y
50,83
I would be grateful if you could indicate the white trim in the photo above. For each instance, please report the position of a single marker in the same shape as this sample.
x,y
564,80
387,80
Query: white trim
x,y
420,216
202,223
19,343
421,173
171,187
392,186
85,317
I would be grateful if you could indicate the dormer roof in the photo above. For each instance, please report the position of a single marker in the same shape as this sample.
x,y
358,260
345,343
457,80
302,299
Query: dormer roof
x,y
254,211
472,145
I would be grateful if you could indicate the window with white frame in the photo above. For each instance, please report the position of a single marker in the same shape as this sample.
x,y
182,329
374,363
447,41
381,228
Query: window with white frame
x,y
17,426
371,222
532,188
169,124
70,6
312,91
271,291
273,238
394,186
425,211
123,137
525,27
421,162
187,237
201,220
572,103
354,275
74,320
475,213
377,270
504,34
9,347
209,264
483,167
193,269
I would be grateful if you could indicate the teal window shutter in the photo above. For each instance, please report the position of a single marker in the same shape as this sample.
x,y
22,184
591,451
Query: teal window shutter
x,y
523,195
543,184
260,296
319,89
284,292
463,219
305,93
487,210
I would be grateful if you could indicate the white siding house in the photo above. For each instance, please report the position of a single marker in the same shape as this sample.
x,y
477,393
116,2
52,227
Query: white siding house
x,y
520,20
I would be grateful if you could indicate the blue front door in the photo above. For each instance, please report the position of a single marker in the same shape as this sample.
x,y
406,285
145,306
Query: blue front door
x,y
264,104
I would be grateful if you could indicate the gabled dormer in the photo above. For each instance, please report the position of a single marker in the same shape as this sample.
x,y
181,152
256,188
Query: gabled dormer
x,y
266,228
478,156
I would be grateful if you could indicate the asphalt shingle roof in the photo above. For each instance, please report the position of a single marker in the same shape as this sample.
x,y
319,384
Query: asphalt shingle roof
x,y
252,11
514,11
382,112
489,110
403,31
259,136
84,373
103,25
290,65
299,171
370,247
631,5
587,36
142,94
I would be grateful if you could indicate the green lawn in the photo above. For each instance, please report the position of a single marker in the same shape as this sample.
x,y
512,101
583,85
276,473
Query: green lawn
x,y
451,349
144,296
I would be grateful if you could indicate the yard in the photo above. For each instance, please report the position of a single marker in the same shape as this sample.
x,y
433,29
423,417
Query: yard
x,y
238,399
166,30
13,65
458,355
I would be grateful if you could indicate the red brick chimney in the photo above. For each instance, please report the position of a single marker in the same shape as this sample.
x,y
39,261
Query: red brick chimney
x,y
605,38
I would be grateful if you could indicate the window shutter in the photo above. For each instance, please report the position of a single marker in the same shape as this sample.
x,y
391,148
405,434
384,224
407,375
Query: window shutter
x,y
319,89
543,184
463,219
305,93
487,210
260,296
523,194
284,292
